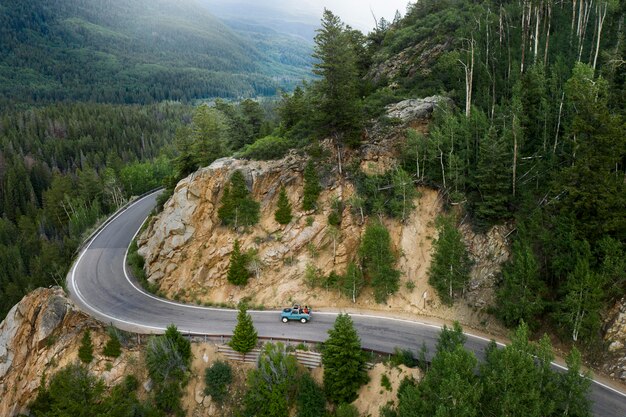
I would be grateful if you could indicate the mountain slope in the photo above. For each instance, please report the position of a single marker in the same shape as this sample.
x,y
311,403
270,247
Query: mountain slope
x,y
129,51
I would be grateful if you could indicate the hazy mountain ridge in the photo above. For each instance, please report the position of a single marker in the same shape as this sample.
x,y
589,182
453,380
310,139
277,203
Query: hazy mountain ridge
x,y
137,51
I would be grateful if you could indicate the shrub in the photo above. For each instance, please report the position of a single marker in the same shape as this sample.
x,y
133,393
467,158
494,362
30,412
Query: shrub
x,y
312,187
113,348
268,147
85,351
385,382
311,401
217,378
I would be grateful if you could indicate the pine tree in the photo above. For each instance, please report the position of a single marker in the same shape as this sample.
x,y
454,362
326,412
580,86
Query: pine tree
x,y
237,207
113,347
493,180
85,351
450,388
180,343
572,397
283,212
339,106
378,261
208,131
312,188
520,297
244,336
450,266
344,362
238,273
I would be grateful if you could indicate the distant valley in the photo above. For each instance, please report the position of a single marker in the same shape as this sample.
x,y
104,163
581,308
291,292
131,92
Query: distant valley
x,y
140,51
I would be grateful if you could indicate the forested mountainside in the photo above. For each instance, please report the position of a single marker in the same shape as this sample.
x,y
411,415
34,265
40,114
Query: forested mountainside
x,y
135,51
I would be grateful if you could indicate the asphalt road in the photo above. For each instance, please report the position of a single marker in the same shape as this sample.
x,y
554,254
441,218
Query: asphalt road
x,y
100,285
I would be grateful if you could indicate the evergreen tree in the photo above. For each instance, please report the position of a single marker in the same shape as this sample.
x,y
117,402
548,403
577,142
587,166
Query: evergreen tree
x,y
338,102
217,379
493,181
378,261
85,351
344,362
520,297
579,311
450,265
450,388
283,212
311,401
237,207
208,131
244,336
180,343
272,386
511,381
572,399
312,187
113,347
238,273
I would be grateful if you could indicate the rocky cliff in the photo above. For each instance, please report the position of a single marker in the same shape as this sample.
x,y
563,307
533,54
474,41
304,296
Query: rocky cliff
x,y
40,335
615,338
187,250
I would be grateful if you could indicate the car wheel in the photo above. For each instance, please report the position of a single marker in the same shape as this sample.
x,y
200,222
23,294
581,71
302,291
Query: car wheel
x,y
303,320
285,319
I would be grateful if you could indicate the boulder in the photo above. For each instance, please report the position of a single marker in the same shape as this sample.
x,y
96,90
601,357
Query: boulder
x,y
415,109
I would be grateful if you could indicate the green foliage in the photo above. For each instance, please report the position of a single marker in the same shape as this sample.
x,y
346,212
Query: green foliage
x,y
337,95
244,335
181,344
237,207
66,167
266,148
520,294
390,194
450,266
352,282
312,187
238,272
574,386
111,54
217,379
402,357
510,379
579,311
208,131
168,360
346,410
73,391
272,386
385,382
378,261
283,211
344,362
450,376
113,347
310,400
85,351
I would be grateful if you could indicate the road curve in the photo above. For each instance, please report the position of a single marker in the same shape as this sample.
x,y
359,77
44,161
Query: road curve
x,y
99,284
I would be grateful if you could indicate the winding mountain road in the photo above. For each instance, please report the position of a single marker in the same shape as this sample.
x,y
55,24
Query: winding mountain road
x,y
100,285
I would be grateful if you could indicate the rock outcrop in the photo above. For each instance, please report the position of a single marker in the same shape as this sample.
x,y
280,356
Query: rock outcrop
x,y
187,250
415,109
488,252
40,335
615,338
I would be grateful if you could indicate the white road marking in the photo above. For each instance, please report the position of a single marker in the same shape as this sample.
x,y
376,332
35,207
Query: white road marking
x,y
84,301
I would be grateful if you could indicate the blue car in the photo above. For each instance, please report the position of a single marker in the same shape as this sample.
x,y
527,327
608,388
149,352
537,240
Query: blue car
x,y
302,314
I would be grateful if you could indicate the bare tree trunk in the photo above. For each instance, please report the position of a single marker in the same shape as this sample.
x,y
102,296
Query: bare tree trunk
x,y
443,170
537,22
514,154
558,124
545,52
469,75
601,11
